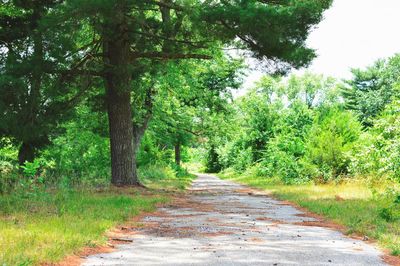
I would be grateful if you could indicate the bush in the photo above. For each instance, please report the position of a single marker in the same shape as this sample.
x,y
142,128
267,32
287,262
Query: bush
x,y
8,168
8,176
80,157
156,172
390,212
377,153
243,159
329,142
149,153
281,158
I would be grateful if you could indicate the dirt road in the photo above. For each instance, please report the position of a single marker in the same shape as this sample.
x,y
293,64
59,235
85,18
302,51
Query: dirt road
x,y
223,223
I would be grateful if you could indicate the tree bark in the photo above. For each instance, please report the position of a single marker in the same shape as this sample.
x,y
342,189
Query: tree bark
x,y
118,90
178,154
27,151
121,138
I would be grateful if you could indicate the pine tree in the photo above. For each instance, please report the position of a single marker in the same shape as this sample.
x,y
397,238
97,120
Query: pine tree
x,y
32,98
372,89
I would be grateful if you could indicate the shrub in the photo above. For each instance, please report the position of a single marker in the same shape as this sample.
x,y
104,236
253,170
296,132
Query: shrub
x,y
281,158
329,142
156,172
80,157
377,153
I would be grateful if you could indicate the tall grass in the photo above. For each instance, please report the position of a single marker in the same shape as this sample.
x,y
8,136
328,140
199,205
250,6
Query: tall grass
x,y
49,226
39,224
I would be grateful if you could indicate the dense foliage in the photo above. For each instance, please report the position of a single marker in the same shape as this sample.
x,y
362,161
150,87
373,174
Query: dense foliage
x,y
63,60
311,128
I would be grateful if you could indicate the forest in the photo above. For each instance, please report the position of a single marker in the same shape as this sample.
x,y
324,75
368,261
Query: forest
x,y
110,108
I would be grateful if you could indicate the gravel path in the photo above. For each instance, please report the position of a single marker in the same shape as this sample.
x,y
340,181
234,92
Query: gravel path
x,y
223,223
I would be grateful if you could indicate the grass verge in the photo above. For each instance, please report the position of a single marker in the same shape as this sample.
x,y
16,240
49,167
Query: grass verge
x,y
46,226
353,205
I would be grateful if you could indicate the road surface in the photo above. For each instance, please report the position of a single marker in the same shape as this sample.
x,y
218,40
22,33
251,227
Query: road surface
x,y
223,223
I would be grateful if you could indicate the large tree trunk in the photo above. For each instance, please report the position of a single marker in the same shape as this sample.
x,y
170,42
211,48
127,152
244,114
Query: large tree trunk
x,y
118,87
27,151
121,134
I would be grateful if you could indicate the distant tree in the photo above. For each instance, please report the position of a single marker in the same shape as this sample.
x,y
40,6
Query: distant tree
x,y
270,86
310,88
259,121
371,89
192,92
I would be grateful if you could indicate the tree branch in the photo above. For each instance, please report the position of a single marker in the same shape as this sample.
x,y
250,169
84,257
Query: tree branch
x,y
138,130
198,44
166,56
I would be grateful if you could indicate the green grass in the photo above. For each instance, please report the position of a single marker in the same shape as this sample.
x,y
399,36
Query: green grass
x,y
172,184
165,178
352,205
48,226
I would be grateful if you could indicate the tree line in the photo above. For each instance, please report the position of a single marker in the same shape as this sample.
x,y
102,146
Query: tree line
x,y
313,128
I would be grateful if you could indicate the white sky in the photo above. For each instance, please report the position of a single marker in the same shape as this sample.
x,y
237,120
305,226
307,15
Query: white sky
x,y
353,34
